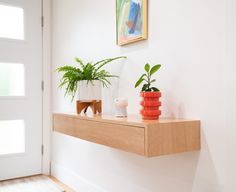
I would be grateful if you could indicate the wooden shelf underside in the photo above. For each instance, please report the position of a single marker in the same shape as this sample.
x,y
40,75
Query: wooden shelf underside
x,y
132,134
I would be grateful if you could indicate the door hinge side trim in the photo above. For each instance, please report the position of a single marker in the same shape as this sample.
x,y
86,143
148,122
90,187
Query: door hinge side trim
x,y
42,86
42,21
42,149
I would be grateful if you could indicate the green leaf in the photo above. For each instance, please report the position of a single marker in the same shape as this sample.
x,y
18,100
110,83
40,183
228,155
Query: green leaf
x,y
79,61
152,81
65,68
155,69
145,87
109,60
155,89
147,68
139,82
106,61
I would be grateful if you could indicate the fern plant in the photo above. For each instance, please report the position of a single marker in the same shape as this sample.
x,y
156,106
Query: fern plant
x,y
147,78
86,71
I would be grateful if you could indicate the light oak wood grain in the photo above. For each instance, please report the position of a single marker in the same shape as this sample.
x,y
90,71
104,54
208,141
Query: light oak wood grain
x,y
66,188
132,134
127,138
34,183
170,138
133,120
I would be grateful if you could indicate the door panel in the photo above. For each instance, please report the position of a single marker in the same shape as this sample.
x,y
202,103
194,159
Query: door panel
x,y
12,22
20,111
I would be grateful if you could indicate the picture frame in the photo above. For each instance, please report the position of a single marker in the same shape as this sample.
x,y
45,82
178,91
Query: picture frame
x,y
131,21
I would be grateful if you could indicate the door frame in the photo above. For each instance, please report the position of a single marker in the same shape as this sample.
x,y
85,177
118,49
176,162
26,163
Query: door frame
x,y
46,77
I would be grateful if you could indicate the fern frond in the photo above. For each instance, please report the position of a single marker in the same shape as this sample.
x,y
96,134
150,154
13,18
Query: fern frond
x,y
89,71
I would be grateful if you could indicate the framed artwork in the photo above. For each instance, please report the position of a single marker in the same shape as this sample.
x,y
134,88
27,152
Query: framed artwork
x,y
131,21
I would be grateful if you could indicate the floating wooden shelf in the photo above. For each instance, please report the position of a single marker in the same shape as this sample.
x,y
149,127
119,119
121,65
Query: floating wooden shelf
x,y
132,134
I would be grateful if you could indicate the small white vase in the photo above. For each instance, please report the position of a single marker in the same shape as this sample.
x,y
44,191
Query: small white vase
x,y
89,90
121,107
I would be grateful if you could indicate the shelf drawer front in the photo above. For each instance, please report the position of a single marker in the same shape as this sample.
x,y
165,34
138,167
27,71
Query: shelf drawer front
x,y
127,138
123,137
64,125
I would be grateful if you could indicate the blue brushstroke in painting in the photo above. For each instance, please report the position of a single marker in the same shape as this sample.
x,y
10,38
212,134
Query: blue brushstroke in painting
x,y
135,18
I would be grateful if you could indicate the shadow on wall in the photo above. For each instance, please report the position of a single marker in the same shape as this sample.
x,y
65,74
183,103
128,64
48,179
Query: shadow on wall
x,y
133,47
189,172
109,94
173,110
206,179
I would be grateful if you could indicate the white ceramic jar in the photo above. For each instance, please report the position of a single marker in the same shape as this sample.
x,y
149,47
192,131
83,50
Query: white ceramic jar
x,y
89,90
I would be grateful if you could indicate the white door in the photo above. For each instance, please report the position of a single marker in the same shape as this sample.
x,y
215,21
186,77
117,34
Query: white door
x,y
20,88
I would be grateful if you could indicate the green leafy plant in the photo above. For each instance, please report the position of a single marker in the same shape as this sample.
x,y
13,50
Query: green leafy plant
x,y
86,71
147,78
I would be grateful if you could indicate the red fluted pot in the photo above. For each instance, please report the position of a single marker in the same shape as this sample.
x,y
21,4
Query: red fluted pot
x,y
151,105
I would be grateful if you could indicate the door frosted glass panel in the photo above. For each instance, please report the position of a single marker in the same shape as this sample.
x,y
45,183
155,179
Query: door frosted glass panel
x,y
12,81
12,137
11,22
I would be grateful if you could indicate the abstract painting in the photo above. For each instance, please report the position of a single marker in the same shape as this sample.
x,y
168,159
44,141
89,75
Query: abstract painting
x,y
131,21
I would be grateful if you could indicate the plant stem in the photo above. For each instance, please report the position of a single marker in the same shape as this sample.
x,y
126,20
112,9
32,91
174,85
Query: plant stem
x,y
149,83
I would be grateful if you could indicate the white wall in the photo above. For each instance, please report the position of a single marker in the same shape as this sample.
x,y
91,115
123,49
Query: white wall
x,y
230,95
195,43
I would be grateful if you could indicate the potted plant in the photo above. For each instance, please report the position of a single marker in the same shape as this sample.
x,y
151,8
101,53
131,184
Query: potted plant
x,y
150,94
88,79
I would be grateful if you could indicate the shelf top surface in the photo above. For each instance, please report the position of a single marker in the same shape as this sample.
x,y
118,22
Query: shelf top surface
x,y
131,120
